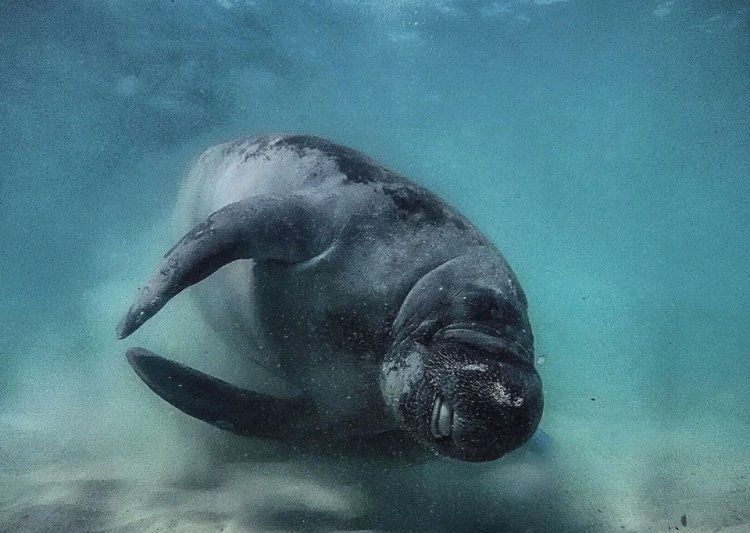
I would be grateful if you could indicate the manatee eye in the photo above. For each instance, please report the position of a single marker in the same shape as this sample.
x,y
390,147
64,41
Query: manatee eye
x,y
441,423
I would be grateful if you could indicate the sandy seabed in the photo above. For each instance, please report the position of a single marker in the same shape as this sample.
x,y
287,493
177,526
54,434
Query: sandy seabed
x,y
184,477
88,448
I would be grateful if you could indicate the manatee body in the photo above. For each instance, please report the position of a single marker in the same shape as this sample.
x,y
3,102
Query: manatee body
x,y
385,308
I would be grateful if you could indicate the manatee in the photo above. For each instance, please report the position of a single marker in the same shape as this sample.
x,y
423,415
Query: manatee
x,y
387,312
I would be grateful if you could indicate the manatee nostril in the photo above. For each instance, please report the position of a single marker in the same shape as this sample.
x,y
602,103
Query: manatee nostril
x,y
441,423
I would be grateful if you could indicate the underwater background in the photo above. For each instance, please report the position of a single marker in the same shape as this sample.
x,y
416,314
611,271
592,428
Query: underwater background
x,y
604,146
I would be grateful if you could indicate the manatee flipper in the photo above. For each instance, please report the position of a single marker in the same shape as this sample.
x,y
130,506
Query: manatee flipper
x,y
539,443
222,404
290,230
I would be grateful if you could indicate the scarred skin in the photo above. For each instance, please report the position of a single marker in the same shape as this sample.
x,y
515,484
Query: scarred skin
x,y
387,309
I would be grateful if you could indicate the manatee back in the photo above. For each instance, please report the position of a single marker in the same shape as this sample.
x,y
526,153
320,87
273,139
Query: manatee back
x,y
261,165
271,165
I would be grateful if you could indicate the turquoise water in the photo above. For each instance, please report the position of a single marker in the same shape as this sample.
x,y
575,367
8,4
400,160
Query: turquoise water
x,y
604,146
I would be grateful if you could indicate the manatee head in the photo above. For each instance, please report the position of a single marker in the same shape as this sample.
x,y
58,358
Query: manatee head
x,y
467,396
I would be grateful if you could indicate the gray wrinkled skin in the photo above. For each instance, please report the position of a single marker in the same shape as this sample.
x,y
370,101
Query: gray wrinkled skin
x,y
381,304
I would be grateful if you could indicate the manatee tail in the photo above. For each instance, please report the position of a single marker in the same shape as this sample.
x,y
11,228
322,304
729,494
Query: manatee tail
x,y
221,404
